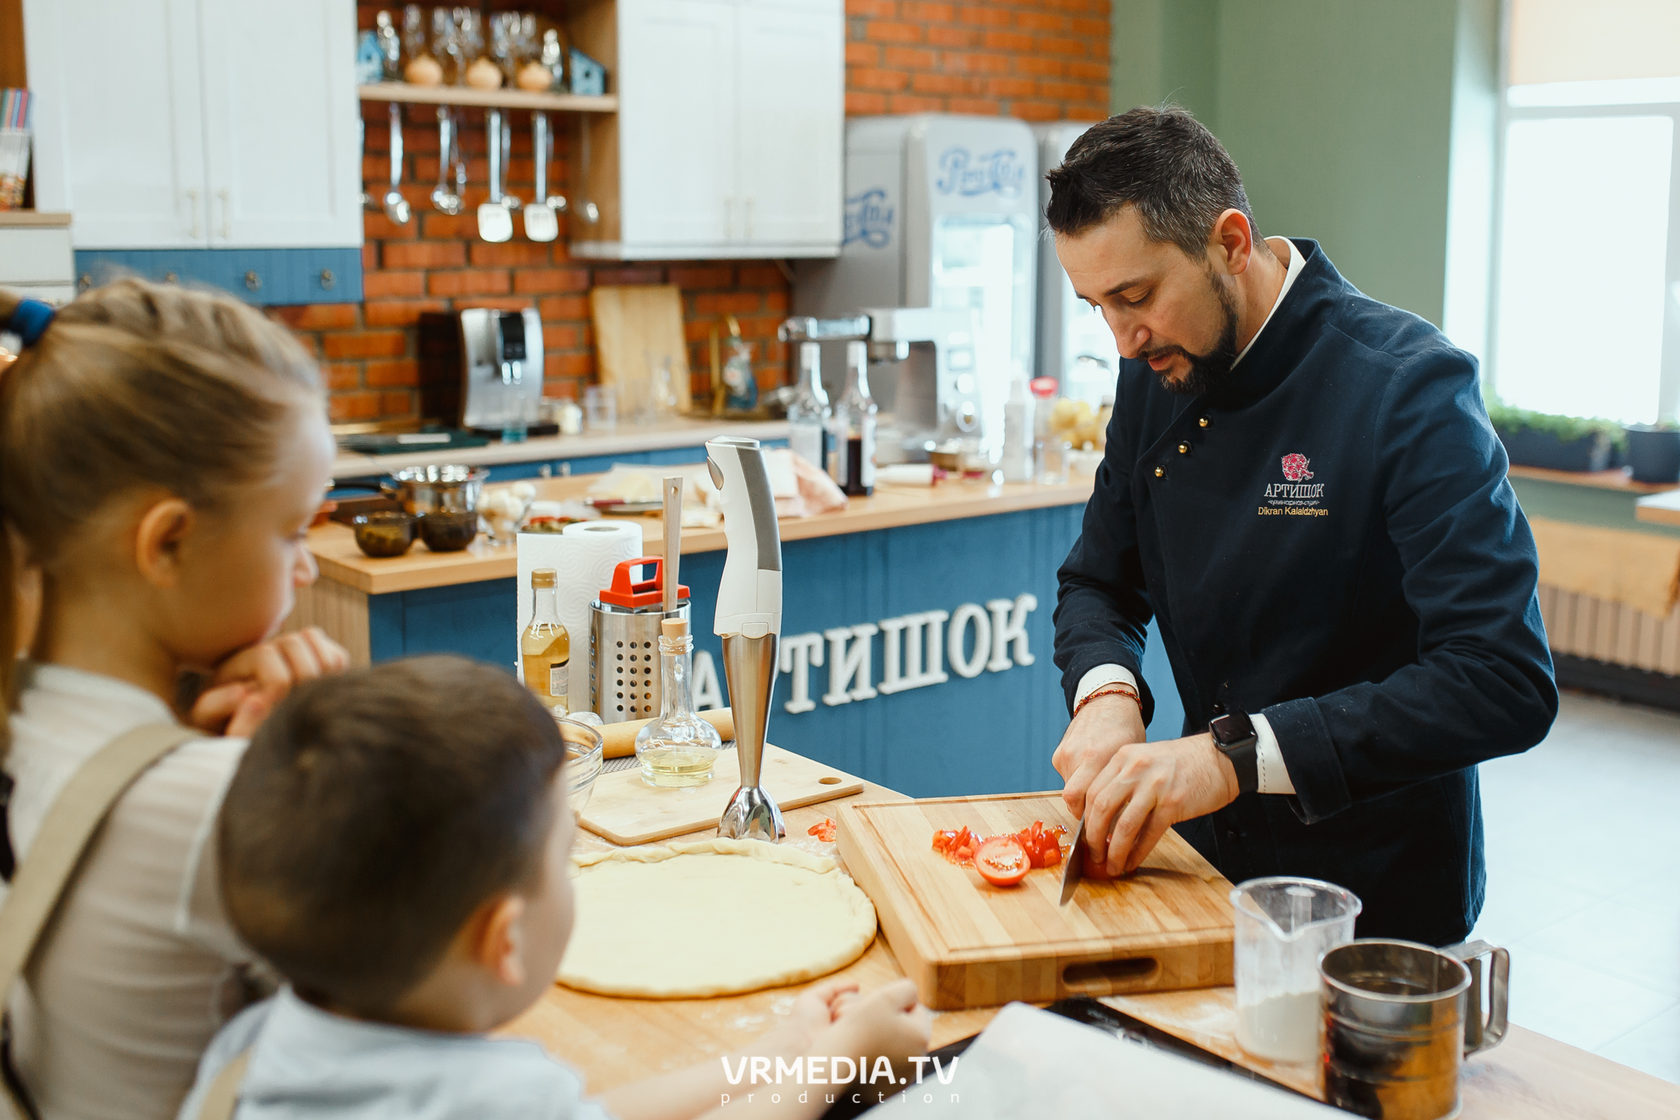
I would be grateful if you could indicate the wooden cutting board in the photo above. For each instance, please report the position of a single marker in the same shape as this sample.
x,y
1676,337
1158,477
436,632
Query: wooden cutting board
x,y
626,810
969,944
636,328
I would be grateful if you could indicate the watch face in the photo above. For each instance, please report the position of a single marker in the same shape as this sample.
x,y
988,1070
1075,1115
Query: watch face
x,y
1231,728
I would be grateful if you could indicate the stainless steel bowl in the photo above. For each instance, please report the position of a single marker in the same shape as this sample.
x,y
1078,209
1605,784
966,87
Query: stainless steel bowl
x,y
451,488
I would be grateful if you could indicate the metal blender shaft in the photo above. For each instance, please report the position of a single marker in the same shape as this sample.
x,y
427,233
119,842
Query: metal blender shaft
x,y
749,664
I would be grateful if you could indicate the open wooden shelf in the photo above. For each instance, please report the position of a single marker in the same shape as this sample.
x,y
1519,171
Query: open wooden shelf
x,y
466,96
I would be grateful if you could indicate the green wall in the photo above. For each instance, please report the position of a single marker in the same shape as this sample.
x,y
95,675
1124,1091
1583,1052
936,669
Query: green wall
x,y
1339,112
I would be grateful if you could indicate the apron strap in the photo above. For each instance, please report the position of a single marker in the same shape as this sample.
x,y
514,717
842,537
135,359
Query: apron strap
x,y
223,1095
65,834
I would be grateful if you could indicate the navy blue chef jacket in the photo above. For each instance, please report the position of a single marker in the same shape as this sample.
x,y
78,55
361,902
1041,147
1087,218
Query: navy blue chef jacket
x,y
1329,539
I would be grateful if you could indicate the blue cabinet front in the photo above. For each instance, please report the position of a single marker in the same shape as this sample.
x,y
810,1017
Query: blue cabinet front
x,y
917,657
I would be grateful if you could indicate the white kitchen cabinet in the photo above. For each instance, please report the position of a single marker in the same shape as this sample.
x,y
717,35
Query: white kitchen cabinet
x,y
181,124
727,143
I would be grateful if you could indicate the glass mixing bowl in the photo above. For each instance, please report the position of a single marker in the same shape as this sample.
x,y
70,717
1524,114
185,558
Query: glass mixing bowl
x,y
583,759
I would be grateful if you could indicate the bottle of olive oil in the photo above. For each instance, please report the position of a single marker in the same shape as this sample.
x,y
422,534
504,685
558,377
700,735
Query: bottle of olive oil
x,y
544,646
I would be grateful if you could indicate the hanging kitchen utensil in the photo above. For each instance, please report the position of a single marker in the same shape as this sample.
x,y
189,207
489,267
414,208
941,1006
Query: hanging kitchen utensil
x,y
540,222
396,206
494,221
586,208
511,201
555,202
445,200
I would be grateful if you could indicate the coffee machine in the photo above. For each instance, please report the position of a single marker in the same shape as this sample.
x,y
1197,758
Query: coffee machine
x,y
941,215
925,376
481,368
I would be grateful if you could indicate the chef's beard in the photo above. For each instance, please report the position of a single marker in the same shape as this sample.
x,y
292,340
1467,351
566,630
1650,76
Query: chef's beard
x,y
1210,369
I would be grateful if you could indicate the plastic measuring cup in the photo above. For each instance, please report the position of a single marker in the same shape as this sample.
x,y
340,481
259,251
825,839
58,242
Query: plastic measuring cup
x,y
1283,926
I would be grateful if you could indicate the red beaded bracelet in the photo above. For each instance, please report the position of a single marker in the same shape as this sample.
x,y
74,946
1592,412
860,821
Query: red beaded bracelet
x,y
1120,688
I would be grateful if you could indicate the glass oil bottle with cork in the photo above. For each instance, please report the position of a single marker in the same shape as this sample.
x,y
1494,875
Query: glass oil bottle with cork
x,y
545,649
677,748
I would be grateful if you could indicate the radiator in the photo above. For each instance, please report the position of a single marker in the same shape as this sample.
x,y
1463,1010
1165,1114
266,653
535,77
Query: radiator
x,y
1600,630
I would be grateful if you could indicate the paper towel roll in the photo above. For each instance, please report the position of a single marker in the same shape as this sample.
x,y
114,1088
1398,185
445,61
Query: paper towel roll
x,y
583,557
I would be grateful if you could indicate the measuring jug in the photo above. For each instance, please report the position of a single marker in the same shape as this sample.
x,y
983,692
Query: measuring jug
x,y
1283,926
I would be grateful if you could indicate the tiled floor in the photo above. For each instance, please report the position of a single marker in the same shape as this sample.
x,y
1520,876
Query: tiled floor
x,y
1583,854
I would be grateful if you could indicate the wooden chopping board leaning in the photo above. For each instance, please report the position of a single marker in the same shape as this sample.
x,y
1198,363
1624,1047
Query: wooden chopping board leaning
x,y
638,334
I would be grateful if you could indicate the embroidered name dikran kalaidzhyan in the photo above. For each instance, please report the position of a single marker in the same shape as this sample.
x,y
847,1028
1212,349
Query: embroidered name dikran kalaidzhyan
x,y
1297,495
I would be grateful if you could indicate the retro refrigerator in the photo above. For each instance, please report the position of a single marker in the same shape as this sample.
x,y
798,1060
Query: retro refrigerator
x,y
941,211
1074,344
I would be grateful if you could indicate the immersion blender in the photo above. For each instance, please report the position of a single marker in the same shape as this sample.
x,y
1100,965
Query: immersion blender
x,y
749,620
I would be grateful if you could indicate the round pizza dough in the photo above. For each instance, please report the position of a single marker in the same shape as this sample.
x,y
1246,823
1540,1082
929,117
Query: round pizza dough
x,y
711,918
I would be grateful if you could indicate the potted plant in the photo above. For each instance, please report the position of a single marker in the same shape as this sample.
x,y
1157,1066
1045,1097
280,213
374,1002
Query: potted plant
x,y
1560,443
1653,452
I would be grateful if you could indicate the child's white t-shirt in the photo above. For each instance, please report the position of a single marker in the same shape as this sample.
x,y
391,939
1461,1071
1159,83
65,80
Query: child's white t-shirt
x,y
309,1064
140,967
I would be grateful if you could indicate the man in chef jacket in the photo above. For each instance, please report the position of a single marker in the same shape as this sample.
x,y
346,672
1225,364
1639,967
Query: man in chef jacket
x,y
1302,485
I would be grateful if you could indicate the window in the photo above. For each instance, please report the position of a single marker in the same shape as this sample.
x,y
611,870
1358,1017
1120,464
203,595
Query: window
x,y
1586,308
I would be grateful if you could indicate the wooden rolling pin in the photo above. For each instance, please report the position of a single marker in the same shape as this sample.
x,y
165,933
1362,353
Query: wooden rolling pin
x,y
619,739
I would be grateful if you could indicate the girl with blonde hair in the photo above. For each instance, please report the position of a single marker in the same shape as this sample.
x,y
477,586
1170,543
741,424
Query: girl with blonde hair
x,y
162,453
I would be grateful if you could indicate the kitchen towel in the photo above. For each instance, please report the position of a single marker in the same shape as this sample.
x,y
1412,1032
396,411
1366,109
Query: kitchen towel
x,y
1029,1062
583,557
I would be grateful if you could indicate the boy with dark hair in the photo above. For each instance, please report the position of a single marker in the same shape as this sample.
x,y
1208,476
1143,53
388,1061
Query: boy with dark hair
x,y
396,842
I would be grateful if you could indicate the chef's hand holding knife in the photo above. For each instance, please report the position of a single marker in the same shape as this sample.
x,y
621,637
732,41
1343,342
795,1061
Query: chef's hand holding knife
x,y
1130,791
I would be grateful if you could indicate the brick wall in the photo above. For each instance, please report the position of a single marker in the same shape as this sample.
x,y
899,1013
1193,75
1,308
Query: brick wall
x,y
1033,59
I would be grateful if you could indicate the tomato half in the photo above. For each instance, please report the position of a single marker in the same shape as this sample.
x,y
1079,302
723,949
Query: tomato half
x,y
1002,861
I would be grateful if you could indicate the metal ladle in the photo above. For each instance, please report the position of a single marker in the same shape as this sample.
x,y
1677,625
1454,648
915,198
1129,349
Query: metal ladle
x,y
586,209
396,206
443,199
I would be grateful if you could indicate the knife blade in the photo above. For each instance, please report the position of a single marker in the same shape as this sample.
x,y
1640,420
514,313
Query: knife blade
x,y
1075,865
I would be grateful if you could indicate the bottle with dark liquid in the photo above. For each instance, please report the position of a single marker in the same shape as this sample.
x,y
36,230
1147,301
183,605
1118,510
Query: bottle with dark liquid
x,y
852,462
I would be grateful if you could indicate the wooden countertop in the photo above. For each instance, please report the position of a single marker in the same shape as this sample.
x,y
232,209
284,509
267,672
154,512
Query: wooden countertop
x,y
612,1041
1659,509
625,438
342,562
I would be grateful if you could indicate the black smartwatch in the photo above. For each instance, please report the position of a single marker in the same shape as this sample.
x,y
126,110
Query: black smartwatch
x,y
1233,733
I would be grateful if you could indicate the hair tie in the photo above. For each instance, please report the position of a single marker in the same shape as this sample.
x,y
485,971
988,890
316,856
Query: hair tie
x,y
29,320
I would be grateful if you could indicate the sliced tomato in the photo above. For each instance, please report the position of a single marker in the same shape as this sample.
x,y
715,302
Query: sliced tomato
x,y
956,844
1043,845
824,830
1096,864
1002,861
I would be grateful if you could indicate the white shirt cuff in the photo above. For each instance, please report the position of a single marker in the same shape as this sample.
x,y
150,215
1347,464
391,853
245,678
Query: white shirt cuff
x,y
1101,677
1274,775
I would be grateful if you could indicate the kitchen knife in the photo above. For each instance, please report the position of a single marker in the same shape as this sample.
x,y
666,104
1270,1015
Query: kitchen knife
x,y
1074,868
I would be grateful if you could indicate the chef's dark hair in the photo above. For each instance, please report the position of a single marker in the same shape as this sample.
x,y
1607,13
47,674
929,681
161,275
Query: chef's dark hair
x,y
375,811
129,387
1161,161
